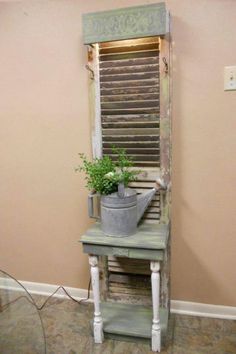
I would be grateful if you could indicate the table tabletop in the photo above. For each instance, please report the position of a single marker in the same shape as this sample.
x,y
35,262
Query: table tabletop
x,y
148,236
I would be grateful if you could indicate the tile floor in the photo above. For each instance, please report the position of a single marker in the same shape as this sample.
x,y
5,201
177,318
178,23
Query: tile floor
x,y
67,329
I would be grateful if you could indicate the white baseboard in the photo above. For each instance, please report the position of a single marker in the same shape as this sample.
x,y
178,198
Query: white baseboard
x,y
177,306
204,310
45,289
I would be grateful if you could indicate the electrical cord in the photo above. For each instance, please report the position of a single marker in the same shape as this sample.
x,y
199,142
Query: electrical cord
x,y
31,300
2,307
66,292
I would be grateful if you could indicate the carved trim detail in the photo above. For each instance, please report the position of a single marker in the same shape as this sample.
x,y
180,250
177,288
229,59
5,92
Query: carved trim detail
x,y
125,23
93,261
154,266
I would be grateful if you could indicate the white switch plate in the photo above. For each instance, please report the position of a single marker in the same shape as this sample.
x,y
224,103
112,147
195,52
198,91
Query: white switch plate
x,y
230,78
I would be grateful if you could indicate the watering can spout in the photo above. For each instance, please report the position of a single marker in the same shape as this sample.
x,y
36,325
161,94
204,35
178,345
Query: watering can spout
x,y
145,199
143,202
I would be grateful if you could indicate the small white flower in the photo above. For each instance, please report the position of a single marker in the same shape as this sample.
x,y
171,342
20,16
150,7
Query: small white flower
x,y
109,175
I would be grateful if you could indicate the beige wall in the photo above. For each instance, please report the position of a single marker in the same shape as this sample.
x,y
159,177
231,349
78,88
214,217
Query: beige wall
x,y
44,124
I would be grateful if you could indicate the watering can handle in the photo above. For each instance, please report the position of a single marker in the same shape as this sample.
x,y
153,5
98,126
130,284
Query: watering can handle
x,y
91,206
160,184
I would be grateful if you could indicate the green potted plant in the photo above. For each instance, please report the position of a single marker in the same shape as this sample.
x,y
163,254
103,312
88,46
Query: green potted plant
x,y
120,207
103,175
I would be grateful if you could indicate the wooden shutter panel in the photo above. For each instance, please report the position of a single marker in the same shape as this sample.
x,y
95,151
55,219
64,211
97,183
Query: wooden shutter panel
x,y
130,118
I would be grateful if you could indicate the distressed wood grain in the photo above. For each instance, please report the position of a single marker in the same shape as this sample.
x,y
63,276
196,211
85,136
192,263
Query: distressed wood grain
x,y
146,238
129,90
130,62
132,55
123,98
128,83
131,117
131,320
165,149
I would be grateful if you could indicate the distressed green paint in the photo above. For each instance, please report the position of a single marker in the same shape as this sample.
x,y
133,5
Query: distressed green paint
x,y
125,23
165,279
165,155
103,275
165,86
148,237
165,128
149,243
146,254
165,125
131,320
165,203
135,253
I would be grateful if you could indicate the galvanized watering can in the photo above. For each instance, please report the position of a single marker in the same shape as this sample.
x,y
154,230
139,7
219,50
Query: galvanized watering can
x,y
121,211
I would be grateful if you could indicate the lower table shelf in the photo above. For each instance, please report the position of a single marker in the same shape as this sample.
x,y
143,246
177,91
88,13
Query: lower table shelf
x,y
131,320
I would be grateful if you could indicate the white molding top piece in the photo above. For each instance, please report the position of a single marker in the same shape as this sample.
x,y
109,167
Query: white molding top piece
x,y
177,306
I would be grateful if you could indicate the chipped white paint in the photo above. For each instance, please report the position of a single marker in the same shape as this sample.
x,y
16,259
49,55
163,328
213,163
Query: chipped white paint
x,y
97,133
97,323
156,329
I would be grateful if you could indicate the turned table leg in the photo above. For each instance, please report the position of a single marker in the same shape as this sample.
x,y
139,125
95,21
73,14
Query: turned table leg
x,y
156,329
97,323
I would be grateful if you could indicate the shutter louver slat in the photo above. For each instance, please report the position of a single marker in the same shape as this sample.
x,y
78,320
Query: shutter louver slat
x,y
129,118
133,137
128,84
126,124
129,90
130,97
130,104
132,151
134,55
129,77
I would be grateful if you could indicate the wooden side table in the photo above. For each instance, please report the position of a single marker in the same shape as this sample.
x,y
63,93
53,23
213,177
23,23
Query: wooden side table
x,y
149,243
